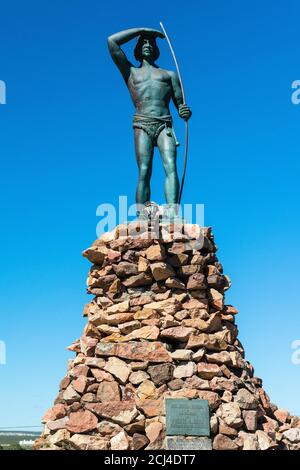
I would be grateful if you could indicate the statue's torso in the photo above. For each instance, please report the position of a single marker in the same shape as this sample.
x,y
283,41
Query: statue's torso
x,y
151,90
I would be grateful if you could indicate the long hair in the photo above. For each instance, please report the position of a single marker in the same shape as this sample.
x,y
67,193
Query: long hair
x,y
138,49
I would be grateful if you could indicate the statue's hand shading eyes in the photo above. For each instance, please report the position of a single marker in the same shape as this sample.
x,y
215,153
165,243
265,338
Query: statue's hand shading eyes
x,y
153,32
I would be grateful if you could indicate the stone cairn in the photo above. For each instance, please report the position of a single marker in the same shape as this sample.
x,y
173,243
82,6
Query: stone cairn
x,y
158,328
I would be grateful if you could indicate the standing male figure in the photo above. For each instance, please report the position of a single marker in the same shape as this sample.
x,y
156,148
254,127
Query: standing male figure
x,y
151,89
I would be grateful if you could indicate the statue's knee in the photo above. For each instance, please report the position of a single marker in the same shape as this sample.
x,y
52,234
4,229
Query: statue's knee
x,y
171,171
145,172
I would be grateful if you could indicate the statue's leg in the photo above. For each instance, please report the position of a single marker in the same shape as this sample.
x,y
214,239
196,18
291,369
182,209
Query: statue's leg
x,y
144,156
167,148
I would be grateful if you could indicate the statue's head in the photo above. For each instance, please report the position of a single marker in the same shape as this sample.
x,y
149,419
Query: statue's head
x,y
146,48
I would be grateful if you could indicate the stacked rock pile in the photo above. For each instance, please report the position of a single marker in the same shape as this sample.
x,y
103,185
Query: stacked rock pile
x,y
158,328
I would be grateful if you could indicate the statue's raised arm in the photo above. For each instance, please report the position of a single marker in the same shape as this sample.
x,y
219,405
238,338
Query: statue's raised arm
x,y
116,40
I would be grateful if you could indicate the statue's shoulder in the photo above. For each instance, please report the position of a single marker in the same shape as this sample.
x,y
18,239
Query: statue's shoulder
x,y
172,73
169,73
134,68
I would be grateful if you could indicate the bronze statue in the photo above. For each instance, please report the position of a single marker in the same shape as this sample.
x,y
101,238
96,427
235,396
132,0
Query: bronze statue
x,y
151,89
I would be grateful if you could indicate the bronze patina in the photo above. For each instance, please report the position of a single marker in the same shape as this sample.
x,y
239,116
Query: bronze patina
x,y
151,89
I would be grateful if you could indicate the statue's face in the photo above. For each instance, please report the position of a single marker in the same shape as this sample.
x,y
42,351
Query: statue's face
x,y
148,47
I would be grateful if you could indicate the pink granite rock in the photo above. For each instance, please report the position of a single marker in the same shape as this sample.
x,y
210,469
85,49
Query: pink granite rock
x,y
82,421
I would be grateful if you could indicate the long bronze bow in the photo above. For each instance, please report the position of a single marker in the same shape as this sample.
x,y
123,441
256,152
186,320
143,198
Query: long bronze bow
x,y
186,121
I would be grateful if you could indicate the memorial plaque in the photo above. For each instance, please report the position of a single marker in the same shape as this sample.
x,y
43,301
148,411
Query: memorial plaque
x,y
188,443
187,417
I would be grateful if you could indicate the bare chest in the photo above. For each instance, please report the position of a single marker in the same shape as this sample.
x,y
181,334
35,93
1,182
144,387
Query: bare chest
x,y
149,76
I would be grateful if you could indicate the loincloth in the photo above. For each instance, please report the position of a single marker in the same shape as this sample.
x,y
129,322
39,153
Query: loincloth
x,y
153,126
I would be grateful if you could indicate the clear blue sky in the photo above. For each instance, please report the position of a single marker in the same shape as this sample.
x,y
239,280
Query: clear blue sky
x,y
66,146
